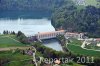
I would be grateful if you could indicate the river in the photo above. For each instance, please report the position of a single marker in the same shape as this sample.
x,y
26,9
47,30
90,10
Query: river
x,y
53,43
29,26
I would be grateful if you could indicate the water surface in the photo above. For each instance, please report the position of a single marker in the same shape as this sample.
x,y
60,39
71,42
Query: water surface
x,y
27,26
53,43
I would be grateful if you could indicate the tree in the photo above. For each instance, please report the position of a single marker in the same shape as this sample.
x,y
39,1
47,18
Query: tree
x,y
19,33
4,32
74,20
13,33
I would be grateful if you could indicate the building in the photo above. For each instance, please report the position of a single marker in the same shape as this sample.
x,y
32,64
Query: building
x,y
78,36
48,35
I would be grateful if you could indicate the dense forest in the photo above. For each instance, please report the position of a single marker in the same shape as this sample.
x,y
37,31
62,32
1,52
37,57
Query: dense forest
x,y
74,19
30,4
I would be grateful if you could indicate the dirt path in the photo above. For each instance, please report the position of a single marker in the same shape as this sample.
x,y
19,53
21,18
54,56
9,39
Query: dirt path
x,y
11,48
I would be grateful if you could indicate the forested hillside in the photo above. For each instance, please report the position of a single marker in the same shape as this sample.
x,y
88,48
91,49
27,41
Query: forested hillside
x,y
74,20
30,4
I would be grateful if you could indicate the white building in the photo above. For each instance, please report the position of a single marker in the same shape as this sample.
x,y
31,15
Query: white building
x,y
48,35
78,36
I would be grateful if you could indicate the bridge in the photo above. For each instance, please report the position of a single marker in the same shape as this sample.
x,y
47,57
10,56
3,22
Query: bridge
x,y
49,35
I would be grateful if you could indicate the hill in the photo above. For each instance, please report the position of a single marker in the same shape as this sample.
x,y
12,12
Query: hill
x,y
30,4
74,20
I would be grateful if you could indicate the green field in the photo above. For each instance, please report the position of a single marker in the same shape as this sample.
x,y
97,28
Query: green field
x,y
75,47
75,42
78,50
91,46
15,59
7,41
72,64
91,2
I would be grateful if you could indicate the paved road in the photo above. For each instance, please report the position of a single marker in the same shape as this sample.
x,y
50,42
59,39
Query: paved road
x,y
83,46
34,58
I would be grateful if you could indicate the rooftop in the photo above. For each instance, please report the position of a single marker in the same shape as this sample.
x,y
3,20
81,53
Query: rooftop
x,y
51,32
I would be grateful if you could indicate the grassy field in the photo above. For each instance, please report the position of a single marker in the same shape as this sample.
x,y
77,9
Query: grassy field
x,y
19,63
76,42
15,59
75,47
91,46
88,2
72,64
78,50
91,2
7,41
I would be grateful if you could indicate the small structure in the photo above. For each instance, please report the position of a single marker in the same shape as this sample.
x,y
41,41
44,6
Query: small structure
x,y
98,41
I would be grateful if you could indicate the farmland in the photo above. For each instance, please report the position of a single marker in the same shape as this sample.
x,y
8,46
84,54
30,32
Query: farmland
x,y
7,41
15,59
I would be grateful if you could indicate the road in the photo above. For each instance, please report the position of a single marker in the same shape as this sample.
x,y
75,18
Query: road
x,y
12,48
34,58
83,46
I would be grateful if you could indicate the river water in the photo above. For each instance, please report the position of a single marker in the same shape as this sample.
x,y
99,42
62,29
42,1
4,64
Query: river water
x,y
53,43
29,26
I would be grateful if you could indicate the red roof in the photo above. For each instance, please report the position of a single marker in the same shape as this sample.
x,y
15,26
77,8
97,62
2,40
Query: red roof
x,y
51,32
98,39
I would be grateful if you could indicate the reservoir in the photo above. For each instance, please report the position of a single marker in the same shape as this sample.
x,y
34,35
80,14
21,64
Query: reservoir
x,y
29,26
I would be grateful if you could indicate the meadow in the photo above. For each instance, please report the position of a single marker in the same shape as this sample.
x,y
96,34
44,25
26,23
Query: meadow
x,y
91,2
75,47
80,51
8,41
15,59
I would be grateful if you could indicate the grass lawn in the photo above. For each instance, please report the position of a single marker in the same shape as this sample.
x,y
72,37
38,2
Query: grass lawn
x,y
76,42
72,64
92,46
20,63
75,47
6,41
89,2
78,50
